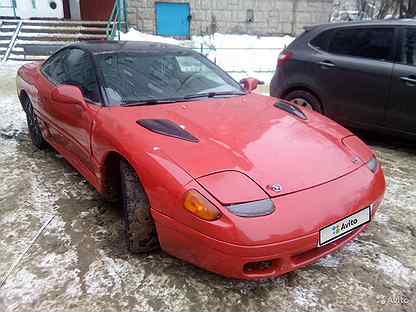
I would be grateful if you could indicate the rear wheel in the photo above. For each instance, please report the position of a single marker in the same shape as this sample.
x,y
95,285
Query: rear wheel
x,y
304,99
33,126
140,229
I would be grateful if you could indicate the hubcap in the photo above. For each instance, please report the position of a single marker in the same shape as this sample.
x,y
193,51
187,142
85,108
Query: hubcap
x,y
302,102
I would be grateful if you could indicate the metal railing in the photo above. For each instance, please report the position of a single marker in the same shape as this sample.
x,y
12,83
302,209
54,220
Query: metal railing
x,y
118,20
12,42
260,60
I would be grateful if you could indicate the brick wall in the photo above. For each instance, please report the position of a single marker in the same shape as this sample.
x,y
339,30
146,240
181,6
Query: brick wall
x,y
271,17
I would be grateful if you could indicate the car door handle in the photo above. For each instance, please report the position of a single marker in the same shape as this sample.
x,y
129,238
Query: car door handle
x,y
327,64
409,80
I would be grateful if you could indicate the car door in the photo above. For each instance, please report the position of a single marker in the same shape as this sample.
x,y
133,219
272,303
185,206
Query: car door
x,y
354,72
52,73
72,123
401,111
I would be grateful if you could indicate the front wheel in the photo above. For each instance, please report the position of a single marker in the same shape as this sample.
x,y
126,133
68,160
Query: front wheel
x,y
33,125
139,227
304,99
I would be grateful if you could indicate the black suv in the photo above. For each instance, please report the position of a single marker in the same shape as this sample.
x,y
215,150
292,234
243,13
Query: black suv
x,y
362,75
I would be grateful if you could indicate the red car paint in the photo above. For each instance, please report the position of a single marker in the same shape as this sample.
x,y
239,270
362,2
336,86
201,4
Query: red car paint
x,y
246,145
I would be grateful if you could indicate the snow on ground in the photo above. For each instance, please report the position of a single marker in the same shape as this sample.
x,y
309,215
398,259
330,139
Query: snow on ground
x,y
134,35
239,55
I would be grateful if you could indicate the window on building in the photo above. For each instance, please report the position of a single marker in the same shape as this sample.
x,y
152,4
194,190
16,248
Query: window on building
x,y
371,43
250,16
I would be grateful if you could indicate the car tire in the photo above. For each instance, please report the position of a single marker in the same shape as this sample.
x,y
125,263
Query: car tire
x,y
140,230
33,125
304,99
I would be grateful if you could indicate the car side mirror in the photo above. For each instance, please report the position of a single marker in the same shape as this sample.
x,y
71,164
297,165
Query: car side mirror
x,y
68,94
250,84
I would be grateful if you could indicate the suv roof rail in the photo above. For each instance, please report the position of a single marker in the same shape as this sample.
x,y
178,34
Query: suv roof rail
x,y
310,27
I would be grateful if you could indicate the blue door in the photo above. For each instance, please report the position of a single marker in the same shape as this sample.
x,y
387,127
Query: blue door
x,y
172,19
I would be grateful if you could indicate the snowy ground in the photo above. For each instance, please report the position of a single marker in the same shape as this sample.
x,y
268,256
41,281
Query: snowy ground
x,y
80,263
240,55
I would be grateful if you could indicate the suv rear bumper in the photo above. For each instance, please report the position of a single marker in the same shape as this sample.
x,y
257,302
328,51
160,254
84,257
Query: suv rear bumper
x,y
276,86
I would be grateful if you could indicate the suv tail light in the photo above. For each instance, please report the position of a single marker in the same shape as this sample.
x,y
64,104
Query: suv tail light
x,y
284,57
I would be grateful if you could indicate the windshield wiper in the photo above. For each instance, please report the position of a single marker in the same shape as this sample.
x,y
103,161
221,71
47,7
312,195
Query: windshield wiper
x,y
213,94
151,102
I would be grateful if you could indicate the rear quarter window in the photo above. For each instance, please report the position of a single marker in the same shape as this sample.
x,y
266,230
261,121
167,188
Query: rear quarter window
x,y
407,55
321,41
370,43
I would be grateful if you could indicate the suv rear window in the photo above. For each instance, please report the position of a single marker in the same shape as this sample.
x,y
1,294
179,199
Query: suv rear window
x,y
408,47
371,43
322,40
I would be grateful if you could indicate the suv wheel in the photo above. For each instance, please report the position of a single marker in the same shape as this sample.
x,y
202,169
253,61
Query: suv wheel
x,y
304,99
139,227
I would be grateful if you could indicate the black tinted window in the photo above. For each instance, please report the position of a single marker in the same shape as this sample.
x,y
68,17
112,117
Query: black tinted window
x,y
372,43
408,48
54,68
322,40
80,72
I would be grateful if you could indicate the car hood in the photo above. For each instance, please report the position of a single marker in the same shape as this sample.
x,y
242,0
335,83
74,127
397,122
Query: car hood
x,y
248,134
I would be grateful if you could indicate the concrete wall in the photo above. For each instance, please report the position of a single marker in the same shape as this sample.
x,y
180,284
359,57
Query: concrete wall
x,y
230,16
28,8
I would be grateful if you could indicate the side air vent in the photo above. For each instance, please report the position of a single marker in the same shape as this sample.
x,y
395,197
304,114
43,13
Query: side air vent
x,y
168,128
291,109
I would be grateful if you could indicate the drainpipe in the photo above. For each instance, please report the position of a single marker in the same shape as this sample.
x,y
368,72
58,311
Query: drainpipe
x,y
14,8
294,16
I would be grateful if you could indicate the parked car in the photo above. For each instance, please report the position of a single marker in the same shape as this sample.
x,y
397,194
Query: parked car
x,y
363,75
229,180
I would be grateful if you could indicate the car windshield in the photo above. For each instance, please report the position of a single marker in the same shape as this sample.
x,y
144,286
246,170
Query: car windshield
x,y
138,78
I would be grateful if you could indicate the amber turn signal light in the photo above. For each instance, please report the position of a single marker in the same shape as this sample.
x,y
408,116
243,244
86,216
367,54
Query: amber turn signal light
x,y
201,207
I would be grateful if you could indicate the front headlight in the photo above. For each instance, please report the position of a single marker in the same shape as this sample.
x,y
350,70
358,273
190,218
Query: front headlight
x,y
253,209
373,164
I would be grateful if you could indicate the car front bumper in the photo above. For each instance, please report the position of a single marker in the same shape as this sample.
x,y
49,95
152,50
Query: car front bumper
x,y
255,260
231,260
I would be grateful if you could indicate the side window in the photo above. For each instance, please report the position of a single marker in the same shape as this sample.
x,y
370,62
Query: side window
x,y
80,72
321,41
408,47
54,68
371,43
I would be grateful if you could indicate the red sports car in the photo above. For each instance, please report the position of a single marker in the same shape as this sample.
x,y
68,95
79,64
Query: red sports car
x,y
244,185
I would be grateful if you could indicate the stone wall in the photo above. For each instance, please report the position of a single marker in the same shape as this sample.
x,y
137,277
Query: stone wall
x,y
271,17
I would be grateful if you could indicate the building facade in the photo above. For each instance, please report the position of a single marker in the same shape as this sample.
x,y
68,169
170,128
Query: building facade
x,y
57,9
183,18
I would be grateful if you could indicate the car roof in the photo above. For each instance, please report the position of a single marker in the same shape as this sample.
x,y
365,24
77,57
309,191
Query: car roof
x,y
386,22
107,46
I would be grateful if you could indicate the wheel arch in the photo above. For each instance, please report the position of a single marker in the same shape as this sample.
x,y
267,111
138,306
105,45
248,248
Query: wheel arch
x,y
23,96
110,174
306,89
